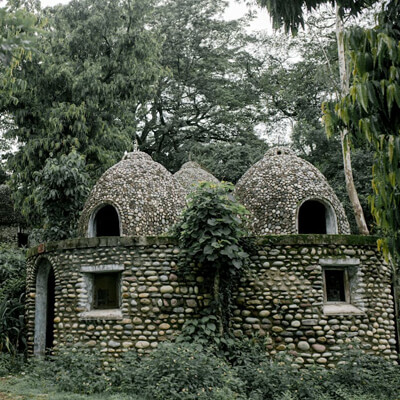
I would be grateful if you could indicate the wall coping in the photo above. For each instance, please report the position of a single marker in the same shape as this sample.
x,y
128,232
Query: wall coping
x,y
137,241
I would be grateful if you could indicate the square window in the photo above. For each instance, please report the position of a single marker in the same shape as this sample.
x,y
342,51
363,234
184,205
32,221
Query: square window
x,y
106,291
336,286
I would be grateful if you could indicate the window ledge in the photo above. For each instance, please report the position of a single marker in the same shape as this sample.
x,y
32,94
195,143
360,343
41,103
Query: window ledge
x,y
341,309
113,314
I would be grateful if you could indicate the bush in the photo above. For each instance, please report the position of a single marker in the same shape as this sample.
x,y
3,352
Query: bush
x,y
11,364
12,276
181,371
80,371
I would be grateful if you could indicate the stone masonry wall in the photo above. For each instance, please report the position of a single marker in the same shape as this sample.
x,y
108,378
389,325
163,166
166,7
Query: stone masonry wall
x,y
281,297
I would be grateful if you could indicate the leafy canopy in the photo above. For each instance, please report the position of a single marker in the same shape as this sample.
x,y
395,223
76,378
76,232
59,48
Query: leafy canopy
x,y
372,110
290,14
94,65
61,189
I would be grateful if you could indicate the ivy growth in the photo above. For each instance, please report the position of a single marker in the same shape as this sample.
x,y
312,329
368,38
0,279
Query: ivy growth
x,y
209,236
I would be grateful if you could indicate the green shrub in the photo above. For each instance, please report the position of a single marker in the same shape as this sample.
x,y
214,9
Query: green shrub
x,y
12,309
364,374
80,371
182,372
11,364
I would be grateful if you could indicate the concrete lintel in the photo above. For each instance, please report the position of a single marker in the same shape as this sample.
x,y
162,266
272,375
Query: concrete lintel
x,y
102,268
339,262
341,309
114,314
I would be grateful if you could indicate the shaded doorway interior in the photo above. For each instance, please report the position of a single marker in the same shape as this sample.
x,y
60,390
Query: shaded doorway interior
x,y
316,217
106,222
312,218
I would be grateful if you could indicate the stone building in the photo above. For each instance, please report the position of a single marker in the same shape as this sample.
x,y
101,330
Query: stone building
x,y
288,195
119,289
12,229
191,174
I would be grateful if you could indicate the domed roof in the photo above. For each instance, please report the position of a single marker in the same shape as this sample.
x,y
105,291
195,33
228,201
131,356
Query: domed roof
x,y
275,189
191,174
146,197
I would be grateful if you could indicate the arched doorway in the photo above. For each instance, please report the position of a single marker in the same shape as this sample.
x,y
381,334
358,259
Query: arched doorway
x,y
105,222
44,308
316,217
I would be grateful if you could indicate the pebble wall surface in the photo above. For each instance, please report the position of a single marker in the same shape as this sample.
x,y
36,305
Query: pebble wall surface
x,y
191,174
274,188
281,297
147,197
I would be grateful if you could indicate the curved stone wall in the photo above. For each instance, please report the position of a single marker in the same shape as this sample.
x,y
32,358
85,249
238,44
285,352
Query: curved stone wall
x,y
282,297
274,188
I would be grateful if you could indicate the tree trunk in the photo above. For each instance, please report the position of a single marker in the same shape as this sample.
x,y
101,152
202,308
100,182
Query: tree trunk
x,y
344,136
218,303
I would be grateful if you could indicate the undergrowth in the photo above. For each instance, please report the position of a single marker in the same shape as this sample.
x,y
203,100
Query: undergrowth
x,y
187,371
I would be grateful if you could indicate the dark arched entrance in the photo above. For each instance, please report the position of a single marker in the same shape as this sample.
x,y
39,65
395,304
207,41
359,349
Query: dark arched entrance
x,y
316,216
312,218
44,308
106,222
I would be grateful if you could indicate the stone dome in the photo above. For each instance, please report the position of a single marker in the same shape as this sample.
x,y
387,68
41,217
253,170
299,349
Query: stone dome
x,y
137,196
287,195
191,174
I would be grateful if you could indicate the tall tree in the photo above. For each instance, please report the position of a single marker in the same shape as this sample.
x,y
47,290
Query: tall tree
x,y
206,94
95,67
372,110
291,16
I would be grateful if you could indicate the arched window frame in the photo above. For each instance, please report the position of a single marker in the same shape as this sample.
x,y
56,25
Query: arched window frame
x,y
92,229
330,215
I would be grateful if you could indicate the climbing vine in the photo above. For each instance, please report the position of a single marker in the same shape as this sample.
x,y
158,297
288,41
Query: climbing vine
x,y
209,236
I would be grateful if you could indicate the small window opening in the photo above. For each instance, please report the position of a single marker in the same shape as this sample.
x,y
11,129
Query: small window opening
x,y
106,291
279,152
106,222
336,285
312,217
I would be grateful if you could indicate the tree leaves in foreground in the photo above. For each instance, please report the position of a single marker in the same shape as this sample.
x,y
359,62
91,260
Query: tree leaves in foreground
x,y
372,110
290,14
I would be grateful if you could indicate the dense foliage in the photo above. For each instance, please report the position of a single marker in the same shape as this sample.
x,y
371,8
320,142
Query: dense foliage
x,y
95,64
209,236
61,189
206,94
291,14
372,110
185,372
12,289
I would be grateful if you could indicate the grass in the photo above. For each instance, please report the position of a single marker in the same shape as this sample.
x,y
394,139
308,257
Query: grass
x,y
24,387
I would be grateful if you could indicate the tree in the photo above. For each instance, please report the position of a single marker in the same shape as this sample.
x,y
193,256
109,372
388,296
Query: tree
x,y
372,110
61,189
17,37
229,161
291,16
209,236
95,67
206,94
